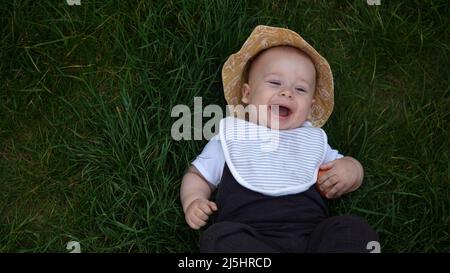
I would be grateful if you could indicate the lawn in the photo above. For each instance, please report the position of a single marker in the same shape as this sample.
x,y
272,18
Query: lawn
x,y
86,152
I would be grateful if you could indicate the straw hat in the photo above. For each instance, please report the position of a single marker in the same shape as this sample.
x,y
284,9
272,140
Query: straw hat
x,y
264,37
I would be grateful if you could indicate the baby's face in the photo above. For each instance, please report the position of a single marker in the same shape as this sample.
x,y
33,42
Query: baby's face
x,y
283,77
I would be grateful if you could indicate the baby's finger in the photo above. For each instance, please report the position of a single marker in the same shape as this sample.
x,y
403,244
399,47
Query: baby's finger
x,y
343,190
326,166
334,191
206,208
201,215
213,206
198,223
321,177
191,223
329,182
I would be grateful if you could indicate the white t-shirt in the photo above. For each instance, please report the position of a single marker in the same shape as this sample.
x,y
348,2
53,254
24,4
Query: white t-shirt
x,y
222,148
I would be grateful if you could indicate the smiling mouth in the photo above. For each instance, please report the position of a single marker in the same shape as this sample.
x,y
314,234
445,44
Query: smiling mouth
x,y
282,111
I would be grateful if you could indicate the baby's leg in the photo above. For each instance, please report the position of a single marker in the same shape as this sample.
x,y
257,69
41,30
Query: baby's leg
x,y
347,233
230,237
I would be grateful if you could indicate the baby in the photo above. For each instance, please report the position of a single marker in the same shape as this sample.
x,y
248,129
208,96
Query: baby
x,y
274,200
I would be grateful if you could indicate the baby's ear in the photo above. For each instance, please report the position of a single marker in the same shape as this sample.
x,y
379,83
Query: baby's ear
x,y
245,93
313,101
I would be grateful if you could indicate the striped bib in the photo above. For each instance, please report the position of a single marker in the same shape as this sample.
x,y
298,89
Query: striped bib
x,y
272,162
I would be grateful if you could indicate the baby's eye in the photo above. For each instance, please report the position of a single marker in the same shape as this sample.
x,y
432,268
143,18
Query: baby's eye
x,y
299,89
275,82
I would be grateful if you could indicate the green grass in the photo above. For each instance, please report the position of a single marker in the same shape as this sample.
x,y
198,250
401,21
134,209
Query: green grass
x,y
85,146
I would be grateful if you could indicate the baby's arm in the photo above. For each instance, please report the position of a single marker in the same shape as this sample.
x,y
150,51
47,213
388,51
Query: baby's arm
x,y
195,193
340,176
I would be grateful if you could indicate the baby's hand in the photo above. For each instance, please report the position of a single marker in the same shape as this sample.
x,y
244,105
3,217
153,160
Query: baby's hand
x,y
339,177
198,212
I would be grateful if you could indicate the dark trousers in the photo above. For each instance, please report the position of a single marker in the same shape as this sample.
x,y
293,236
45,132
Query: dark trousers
x,y
247,221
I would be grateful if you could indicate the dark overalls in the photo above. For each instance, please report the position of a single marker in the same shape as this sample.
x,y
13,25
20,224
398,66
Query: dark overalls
x,y
247,221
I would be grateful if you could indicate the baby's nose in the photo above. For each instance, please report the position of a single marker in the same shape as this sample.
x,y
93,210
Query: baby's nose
x,y
286,93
